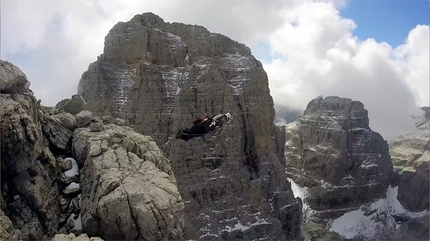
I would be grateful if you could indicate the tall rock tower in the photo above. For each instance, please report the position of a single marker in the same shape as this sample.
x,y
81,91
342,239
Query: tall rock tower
x,y
332,151
160,77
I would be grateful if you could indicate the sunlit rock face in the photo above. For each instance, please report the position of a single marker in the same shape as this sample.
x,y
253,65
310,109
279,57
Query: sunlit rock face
x,y
411,158
129,191
160,77
332,151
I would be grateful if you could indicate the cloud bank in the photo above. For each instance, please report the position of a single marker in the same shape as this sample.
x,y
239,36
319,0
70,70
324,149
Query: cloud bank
x,y
306,48
316,54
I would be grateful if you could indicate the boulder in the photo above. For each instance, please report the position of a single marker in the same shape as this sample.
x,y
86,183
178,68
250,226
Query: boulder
x,y
12,79
96,124
332,151
83,118
66,119
129,191
64,164
73,106
61,103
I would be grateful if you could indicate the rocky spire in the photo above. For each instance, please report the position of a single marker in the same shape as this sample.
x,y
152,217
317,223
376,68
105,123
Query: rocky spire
x,y
160,77
332,151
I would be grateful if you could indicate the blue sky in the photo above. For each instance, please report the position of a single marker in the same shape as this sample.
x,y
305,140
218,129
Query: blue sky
x,y
386,20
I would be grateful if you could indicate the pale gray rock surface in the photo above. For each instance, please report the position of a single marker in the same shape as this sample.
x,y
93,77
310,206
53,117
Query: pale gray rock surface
x,y
159,77
12,79
66,119
72,237
411,159
332,151
83,118
96,124
129,191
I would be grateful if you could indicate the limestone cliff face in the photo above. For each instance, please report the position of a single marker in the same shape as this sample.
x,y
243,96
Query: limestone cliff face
x,y
160,77
411,158
332,151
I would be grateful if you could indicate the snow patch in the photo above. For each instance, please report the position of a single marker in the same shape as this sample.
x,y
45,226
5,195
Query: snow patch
x,y
72,186
369,163
372,220
237,66
302,193
239,226
75,170
125,78
77,221
173,78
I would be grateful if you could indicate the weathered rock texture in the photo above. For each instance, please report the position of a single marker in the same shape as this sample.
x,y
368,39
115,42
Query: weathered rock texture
x,y
28,186
416,229
6,228
128,189
332,151
160,77
12,79
72,237
411,159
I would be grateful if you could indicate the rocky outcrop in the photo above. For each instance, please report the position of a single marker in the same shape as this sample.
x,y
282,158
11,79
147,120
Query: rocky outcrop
x,y
72,237
411,158
128,189
73,106
28,175
160,77
57,135
332,151
12,79
6,228
41,184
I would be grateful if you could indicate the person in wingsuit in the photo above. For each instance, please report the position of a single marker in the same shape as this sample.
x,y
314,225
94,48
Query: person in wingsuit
x,y
203,126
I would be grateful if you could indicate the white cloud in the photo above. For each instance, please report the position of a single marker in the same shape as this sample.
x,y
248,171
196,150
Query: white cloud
x,y
316,54
311,47
413,60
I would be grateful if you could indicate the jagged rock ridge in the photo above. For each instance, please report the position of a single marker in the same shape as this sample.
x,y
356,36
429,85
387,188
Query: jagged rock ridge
x,y
332,151
160,77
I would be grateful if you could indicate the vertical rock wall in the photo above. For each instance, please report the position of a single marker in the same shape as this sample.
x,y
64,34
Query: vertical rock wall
x,y
162,76
332,151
